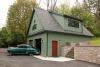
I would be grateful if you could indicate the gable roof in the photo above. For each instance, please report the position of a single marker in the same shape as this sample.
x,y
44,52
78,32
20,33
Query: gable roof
x,y
50,24
47,21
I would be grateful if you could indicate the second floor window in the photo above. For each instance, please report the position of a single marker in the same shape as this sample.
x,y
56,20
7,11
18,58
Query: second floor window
x,y
73,23
34,26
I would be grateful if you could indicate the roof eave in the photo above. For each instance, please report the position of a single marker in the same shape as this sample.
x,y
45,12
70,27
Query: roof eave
x,y
60,32
30,21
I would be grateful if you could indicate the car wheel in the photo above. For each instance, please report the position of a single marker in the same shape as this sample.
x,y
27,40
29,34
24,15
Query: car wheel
x,y
27,53
30,54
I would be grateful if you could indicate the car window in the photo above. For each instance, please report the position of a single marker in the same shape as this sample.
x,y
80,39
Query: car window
x,y
22,46
29,47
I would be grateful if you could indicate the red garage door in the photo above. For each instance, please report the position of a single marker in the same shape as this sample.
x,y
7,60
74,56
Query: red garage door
x,y
54,48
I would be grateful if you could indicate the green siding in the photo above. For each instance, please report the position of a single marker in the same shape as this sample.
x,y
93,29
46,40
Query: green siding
x,y
39,25
64,24
46,46
44,42
62,39
59,19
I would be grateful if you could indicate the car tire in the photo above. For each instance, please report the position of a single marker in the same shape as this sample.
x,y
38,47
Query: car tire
x,y
30,54
27,53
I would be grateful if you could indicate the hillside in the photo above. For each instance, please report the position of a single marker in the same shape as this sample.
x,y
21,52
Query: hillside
x,y
95,41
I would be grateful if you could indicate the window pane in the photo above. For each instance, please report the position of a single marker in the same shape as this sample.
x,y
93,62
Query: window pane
x,y
73,23
34,26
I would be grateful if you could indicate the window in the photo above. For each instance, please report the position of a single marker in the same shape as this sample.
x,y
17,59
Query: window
x,y
22,46
73,23
34,26
34,21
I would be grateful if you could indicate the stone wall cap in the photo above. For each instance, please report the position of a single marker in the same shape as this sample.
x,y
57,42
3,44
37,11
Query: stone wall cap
x,y
87,46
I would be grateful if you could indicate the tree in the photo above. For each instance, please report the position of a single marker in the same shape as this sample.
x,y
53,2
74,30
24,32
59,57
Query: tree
x,y
50,4
94,6
80,11
86,16
3,37
64,9
18,18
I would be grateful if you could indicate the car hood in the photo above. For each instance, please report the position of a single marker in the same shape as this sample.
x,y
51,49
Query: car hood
x,y
10,48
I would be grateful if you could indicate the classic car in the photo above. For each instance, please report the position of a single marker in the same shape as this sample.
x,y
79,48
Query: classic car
x,y
22,49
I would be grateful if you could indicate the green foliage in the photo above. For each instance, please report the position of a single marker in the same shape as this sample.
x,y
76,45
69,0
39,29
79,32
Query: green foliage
x,y
86,16
19,15
82,12
94,6
95,42
3,37
18,18
64,9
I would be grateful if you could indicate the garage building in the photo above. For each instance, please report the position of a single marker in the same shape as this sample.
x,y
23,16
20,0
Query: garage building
x,y
50,31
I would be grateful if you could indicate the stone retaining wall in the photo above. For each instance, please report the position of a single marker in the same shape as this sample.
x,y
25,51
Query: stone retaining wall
x,y
65,50
68,51
88,53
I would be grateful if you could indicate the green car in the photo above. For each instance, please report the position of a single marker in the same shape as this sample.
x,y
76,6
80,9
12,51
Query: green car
x,y
22,49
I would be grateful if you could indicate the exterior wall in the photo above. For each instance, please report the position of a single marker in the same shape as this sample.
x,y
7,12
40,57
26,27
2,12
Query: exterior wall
x,y
87,43
64,23
90,54
39,25
65,50
62,39
43,43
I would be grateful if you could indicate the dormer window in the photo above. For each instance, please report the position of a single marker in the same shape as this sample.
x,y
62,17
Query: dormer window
x,y
73,23
34,26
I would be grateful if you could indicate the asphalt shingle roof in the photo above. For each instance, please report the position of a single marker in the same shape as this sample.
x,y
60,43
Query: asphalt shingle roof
x,y
50,24
47,21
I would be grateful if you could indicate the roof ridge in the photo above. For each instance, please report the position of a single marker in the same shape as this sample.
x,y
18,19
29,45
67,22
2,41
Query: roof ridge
x,y
68,16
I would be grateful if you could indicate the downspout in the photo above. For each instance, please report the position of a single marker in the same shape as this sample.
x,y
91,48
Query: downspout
x,y
47,45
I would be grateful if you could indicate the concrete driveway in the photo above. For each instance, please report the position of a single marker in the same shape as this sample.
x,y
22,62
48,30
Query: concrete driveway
x,y
30,61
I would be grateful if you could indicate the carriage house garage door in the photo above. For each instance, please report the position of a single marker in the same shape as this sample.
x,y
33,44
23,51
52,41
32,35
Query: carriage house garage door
x,y
38,44
54,48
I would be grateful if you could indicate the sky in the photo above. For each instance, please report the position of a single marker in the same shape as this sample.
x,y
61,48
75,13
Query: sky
x,y
5,4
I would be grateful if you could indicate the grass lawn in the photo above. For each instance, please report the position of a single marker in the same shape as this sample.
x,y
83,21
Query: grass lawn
x,y
95,42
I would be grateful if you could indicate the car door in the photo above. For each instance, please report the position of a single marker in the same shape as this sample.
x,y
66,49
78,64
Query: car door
x,y
22,50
